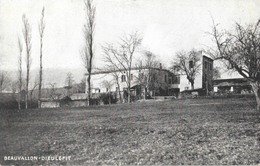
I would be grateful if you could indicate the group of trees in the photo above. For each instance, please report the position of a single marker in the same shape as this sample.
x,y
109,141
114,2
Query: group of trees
x,y
88,50
4,80
238,48
121,58
189,63
27,35
25,47
148,78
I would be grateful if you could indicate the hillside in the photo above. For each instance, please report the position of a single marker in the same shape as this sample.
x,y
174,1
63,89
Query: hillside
x,y
51,76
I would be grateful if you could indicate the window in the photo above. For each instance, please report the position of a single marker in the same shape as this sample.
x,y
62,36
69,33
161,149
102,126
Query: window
x,y
170,80
117,88
107,89
186,88
210,66
178,80
165,78
123,79
206,64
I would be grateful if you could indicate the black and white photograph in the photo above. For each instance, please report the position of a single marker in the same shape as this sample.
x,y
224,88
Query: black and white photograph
x,y
129,82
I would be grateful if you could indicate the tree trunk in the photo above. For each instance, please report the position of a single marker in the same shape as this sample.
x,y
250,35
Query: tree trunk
x,y
27,88
40,82
89,89
20,84
192,85
129,84
129,95
118,85
255,88
19,102
144,93
109,97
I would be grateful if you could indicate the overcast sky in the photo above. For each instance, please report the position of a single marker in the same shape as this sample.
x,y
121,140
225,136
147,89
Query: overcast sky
x,y
167,26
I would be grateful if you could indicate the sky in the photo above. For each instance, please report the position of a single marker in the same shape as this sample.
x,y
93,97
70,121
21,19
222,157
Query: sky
x,y
166,26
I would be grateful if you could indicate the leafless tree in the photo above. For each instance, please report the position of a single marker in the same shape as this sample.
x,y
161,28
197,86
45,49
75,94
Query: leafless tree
x,y
35,84
14,85
148,78
240,50
20,46
52,91
216,73
188,62
27,37
108,85
115,75
81,86
88,51
69,82
41,32
116,78
4,80
122,58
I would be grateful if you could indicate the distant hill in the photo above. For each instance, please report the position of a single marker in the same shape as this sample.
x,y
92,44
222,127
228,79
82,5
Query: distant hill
x,y
51,76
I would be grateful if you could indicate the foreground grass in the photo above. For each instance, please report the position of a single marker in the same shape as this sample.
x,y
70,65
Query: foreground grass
x,y
203,131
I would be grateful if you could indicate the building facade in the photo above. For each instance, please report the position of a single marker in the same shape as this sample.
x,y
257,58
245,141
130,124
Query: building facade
x,y
203,80
232,85
154,81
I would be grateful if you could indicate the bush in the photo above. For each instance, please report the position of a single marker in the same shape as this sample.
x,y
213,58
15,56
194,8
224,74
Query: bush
x,y
32,104
65,101
13,104
9,104
104,98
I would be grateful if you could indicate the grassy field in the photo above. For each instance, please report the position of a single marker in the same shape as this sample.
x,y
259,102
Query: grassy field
x,y
192,131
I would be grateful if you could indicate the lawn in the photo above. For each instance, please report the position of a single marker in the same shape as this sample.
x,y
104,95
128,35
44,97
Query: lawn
x,y
174,132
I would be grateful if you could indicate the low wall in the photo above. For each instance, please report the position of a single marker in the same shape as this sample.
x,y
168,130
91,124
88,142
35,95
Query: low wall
x,y
50,104
72,103
78,103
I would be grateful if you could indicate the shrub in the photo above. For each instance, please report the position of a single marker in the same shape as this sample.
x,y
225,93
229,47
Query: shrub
x,y
104,97
9,104
13,104
65,101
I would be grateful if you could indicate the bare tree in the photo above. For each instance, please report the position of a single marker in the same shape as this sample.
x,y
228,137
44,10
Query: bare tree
x,y
116,78
20,46
81,86
88,51
41,31
148,78
188,62
35,84
14,89
108,85
27,37
4,80
122,58
52,91
240,50
115,75
69,82
216,73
